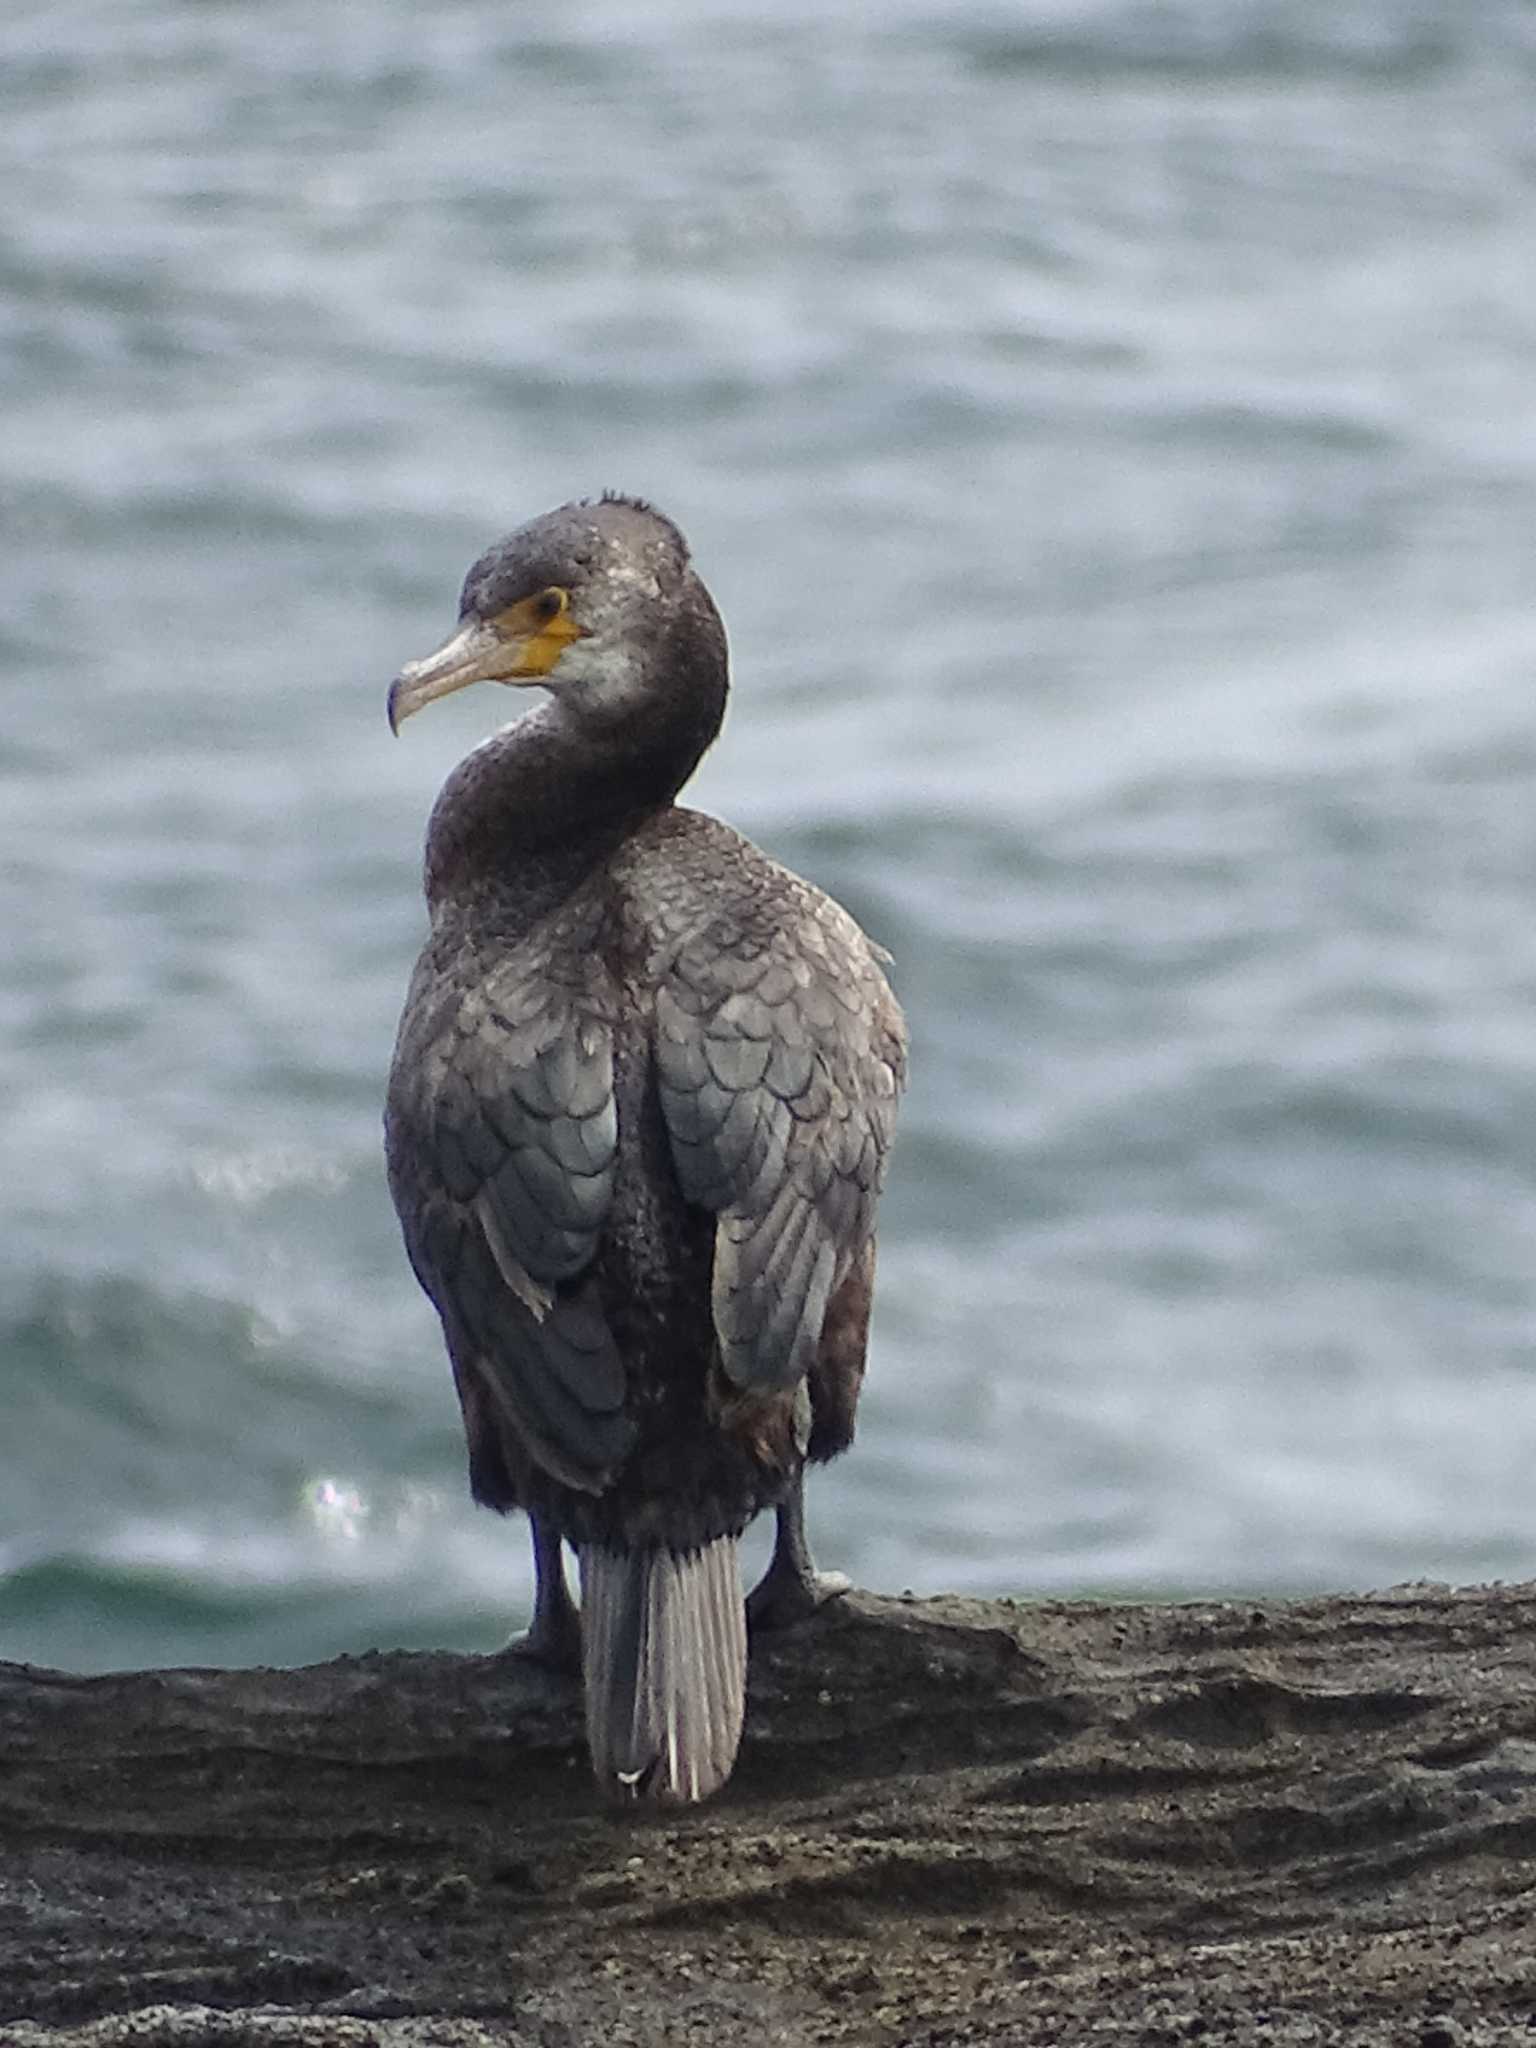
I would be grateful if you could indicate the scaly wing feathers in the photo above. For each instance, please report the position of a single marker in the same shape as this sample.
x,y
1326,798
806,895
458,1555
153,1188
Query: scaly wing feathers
x,y
780,1054
503,1132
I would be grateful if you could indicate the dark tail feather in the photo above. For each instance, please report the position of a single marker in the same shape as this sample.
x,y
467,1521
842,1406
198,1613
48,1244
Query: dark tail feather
x,y
664,1661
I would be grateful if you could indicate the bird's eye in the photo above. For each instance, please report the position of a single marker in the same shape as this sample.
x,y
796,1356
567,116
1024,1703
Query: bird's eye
x,y
549,604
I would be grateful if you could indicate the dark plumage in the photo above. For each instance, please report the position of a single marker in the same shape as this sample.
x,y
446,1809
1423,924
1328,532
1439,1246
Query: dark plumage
x,y
637,1125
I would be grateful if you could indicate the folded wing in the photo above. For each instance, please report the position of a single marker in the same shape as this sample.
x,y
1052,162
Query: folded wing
x,y
502,1145
780,1055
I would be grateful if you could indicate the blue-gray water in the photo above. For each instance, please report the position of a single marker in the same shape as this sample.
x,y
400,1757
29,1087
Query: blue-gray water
x,y
1110,431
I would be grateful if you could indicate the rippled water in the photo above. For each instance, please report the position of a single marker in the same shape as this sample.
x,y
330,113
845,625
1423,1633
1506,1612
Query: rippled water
x,y
1110,432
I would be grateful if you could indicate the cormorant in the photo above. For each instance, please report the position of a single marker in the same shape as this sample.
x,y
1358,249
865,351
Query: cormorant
x,y
637,1126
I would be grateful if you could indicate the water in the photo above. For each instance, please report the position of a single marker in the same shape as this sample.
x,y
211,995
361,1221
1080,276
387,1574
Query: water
x,y
1110,434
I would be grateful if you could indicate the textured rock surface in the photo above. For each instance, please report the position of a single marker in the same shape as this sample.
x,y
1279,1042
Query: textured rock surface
x,y
952,1822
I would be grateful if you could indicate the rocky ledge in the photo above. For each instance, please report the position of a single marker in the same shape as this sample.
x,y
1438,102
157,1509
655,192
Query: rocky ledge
x,y
952,1822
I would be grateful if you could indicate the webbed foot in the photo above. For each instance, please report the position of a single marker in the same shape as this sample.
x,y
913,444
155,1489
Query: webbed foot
x,y
792,1589
554,1643
781,1598
553,1637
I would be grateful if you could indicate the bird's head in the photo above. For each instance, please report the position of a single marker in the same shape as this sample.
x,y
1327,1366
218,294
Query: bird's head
x,y
578,600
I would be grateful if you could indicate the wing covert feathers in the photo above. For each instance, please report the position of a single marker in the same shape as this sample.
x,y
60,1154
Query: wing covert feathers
x,y
780,1054
503,1134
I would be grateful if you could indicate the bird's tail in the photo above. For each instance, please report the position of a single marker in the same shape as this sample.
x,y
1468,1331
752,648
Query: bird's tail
x,y
664,1664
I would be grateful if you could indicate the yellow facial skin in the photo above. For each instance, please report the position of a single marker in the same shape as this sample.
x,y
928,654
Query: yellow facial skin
x,y
541,628
519,645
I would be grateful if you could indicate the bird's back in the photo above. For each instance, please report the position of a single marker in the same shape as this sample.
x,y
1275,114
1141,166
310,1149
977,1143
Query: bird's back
x,y
659,1104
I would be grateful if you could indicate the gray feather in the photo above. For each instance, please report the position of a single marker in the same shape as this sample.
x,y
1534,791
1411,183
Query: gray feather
x,y
778,1057
664,1665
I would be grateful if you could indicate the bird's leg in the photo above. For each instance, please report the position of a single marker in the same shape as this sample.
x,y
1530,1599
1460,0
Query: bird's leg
x,y
554,1634
791,1588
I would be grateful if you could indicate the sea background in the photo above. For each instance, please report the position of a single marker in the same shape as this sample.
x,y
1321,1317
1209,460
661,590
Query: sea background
x,y
1110,432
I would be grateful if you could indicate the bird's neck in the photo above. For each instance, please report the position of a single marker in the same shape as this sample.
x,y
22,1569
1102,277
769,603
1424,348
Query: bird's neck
x,y
542,802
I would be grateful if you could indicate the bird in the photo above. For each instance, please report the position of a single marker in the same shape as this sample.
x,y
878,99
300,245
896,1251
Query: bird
x,y
637,1125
